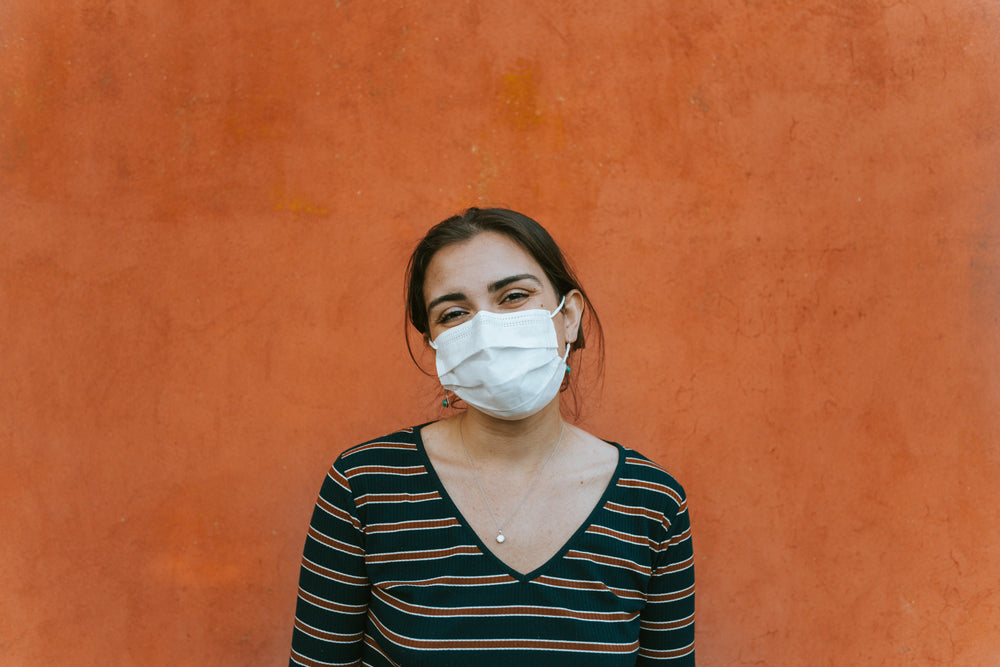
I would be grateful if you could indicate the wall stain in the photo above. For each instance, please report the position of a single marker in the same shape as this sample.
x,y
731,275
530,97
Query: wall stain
x,y
518,96
283,201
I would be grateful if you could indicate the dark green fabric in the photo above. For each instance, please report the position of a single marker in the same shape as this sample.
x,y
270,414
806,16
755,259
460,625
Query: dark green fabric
x,y
392,574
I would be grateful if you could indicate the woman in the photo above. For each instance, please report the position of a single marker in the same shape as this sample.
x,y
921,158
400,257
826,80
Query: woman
x,y
501,535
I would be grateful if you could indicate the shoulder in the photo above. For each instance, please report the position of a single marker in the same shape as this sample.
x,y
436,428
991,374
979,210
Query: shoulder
x,y
395,449
384,457
403,440
650,481
397,453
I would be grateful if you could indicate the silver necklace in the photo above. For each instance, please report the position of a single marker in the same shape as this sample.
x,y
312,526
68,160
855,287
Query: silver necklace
x,y
500,526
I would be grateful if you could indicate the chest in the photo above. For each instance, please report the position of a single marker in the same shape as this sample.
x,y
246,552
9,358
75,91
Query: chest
x,y
441,596
503,621
522,522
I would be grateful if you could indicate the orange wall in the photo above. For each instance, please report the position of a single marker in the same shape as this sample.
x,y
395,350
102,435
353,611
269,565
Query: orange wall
x,y
788,215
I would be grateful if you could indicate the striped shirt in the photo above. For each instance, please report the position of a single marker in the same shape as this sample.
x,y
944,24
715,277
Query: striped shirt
x,y
393,575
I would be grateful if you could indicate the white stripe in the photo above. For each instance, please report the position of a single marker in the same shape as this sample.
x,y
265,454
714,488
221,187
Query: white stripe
x,y
410,498
666,654
347,637
501,643
596,561
501,611
333,664
320,574
473,581
454,524
427,551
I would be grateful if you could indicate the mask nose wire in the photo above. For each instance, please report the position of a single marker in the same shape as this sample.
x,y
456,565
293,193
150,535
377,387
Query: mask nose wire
x,y
551,315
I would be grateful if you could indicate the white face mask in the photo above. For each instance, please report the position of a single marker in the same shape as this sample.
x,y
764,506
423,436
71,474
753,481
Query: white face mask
x,y
504,364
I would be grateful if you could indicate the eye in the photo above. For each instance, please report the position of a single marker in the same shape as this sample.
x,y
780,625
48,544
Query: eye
x,y
450,315
514,296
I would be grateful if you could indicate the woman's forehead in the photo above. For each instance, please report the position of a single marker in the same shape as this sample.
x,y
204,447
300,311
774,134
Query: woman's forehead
x,y
477,262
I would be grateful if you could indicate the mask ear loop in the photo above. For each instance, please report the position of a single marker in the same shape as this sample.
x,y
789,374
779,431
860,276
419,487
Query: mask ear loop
x,y
556,311
565,357
568,349
564,385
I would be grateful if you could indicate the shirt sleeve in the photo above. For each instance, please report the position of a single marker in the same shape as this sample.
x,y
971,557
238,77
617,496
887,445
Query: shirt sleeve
x,y
333,585
666,631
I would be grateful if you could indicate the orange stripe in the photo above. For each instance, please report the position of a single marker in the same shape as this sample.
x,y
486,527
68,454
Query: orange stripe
x,y
636,461
381,445
411,525
337,512
510,610
499,643
396,498
372,644
334,574
332,606
338,637
335,544
339,478
652,486
309,662
635,511
661,655
673,595
617,534
610,560
386,470
452,581
676,567
677,539
571,584
423,555
667,625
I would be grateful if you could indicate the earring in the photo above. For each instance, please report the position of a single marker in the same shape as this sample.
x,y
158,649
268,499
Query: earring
x,y
445,402
568,369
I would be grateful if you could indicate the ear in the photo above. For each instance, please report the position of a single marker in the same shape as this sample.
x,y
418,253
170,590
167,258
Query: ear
x,y
572,312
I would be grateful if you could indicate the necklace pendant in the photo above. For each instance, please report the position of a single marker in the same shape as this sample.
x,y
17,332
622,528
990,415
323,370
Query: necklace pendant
x,y
500,537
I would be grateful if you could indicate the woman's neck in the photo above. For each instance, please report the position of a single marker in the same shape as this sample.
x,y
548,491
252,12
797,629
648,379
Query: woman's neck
x,y
522,441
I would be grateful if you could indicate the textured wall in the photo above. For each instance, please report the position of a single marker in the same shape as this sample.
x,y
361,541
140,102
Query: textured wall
x,y
788,215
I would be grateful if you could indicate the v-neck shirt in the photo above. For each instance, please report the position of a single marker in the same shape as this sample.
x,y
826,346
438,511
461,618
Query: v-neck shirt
x,y
392,574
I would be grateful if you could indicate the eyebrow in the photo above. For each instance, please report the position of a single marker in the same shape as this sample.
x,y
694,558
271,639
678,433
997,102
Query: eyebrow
x,y
503,282
494,286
